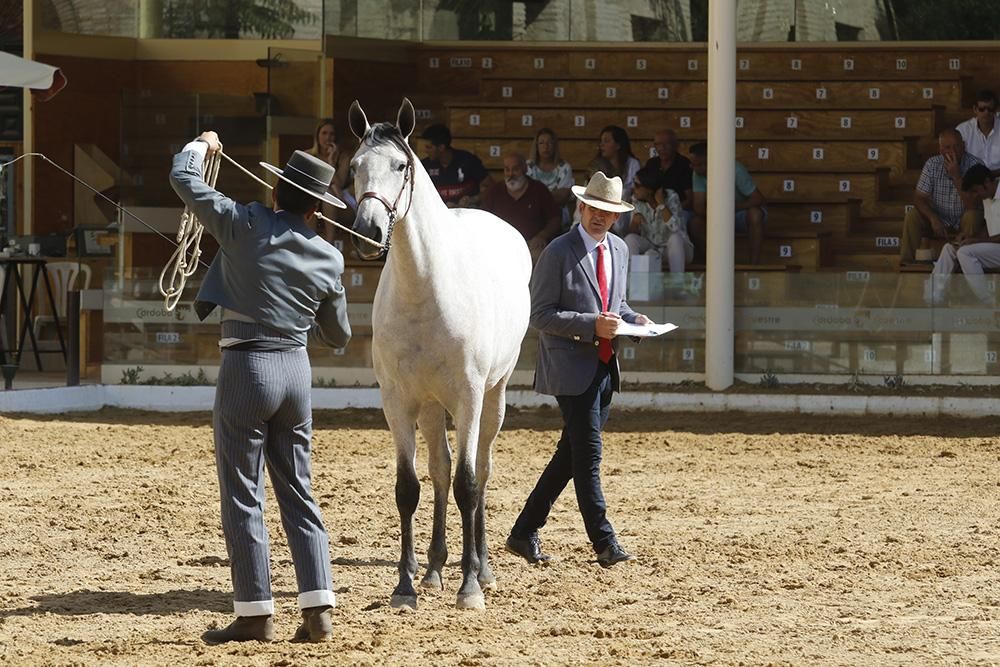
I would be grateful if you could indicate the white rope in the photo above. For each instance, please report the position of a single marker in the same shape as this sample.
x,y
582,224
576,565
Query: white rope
x,y
318,214
184,261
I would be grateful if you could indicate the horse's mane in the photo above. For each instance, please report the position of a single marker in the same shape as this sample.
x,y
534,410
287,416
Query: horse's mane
x,y
387,133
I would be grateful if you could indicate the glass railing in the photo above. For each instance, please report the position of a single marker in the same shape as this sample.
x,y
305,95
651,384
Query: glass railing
x,y
853,322
538,20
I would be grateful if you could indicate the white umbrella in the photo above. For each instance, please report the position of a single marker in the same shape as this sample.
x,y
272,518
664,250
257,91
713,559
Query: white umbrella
x,y
23,73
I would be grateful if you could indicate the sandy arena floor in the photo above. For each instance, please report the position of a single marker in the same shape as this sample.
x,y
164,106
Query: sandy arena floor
x,y
761,540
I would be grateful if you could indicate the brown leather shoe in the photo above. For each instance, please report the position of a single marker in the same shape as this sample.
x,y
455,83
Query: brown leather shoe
x,y
243,629
317,625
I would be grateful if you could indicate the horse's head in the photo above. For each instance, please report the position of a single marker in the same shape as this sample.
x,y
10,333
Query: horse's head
x,y
383,176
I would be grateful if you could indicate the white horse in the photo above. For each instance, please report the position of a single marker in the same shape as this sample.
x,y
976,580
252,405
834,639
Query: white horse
x,y
449,315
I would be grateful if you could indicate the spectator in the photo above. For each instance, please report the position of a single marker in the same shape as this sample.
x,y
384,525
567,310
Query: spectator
x,y
458,175
525,204
657,224
751,215
980,133
974,253
672,168
548,168
326,148
616,148
939,209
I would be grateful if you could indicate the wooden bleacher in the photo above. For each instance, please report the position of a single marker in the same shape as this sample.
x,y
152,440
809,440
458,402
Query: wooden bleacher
x,y
834,135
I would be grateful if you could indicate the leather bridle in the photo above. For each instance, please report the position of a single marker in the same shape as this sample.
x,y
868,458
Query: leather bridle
x,y
393,208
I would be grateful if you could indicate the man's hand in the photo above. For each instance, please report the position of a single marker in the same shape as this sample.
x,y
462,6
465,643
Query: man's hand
x,y
642,319
212,139
607,325
940,230
952,166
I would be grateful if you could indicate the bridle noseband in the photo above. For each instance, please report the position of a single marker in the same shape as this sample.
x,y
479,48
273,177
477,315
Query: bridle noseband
x,y
392,208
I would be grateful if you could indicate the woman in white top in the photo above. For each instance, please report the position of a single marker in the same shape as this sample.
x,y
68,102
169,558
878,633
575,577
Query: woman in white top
x,y
616,148
546,166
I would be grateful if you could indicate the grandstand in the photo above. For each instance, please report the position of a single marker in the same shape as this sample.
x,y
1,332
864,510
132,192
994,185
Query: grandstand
x,y
834,133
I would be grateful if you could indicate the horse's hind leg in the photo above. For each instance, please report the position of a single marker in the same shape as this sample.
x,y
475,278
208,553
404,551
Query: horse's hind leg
x,y
467,497
494,408
401,416
434,429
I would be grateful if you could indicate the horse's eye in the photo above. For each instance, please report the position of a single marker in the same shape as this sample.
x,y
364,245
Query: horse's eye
x,y
401,167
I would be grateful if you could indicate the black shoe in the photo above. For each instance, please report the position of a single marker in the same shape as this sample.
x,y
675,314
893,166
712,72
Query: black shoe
x,y
243,629
613,554
529,549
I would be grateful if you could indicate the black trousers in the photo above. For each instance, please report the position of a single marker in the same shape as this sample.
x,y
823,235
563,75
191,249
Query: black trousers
x,y
577,457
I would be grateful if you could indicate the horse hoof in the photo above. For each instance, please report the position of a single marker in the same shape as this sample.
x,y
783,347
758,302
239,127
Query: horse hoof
x,y
471,601
404,602
432,580
488,584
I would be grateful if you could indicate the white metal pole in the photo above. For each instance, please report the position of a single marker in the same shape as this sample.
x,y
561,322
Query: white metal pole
x,y
720,256
28,119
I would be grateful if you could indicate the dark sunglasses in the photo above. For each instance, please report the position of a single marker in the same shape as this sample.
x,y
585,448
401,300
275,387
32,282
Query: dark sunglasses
x,y
982,108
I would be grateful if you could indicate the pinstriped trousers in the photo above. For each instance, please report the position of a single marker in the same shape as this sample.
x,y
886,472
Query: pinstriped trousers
x,y
263,414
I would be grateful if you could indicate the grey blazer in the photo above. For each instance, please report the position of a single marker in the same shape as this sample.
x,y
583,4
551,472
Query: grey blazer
x,y
270,266
565,303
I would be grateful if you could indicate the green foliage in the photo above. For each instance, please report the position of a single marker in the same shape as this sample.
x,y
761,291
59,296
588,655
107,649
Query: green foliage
x,y
856,384
893,382
131,375
232,19
183,380
323,383
768,380
933,20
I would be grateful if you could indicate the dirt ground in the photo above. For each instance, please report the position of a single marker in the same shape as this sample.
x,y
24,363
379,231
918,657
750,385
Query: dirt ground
x,y
761,539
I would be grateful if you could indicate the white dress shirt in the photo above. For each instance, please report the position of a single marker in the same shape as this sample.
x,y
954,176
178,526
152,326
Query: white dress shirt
x,y
986,147
591,245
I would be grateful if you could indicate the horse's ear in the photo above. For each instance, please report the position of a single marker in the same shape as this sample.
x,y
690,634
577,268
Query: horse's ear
x,y
358,121
406,119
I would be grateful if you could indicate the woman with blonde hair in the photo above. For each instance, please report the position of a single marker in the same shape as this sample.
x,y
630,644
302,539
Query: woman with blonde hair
x,y
326,148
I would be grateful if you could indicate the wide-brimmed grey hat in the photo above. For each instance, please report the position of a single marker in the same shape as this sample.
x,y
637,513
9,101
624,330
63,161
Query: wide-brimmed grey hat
x,y
309,174
603,193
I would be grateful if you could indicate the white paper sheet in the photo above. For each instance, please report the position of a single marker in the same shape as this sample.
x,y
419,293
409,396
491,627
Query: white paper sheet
x,y
644,330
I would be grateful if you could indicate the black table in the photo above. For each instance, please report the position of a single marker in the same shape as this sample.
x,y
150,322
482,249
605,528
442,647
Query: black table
x,y
13,267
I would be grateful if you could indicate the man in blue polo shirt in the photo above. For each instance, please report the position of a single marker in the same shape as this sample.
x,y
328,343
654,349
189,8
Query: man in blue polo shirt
x,y
750,214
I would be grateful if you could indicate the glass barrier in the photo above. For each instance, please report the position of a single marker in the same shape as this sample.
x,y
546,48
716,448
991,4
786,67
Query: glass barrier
x,y
111,18
530,20
183,19
854,322
156,126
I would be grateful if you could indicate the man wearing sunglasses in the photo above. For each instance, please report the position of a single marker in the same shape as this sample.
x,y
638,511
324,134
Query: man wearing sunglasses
x,y
980,133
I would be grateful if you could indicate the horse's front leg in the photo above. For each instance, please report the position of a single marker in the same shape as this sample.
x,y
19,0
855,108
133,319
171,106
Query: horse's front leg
x,y
401,416
467,497
434,429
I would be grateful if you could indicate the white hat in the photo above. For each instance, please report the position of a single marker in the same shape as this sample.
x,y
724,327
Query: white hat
x,y
603,193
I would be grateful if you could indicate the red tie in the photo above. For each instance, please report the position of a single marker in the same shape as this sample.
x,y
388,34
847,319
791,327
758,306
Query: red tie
x,y
604,350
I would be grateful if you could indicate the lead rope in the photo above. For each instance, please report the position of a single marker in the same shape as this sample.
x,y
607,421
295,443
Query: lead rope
x,y
185,259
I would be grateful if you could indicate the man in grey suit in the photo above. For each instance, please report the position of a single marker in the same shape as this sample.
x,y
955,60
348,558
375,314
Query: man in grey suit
x,y
577,303
276,282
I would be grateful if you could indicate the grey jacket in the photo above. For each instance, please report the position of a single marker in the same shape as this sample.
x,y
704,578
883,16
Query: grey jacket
x,y
270,266
565,303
